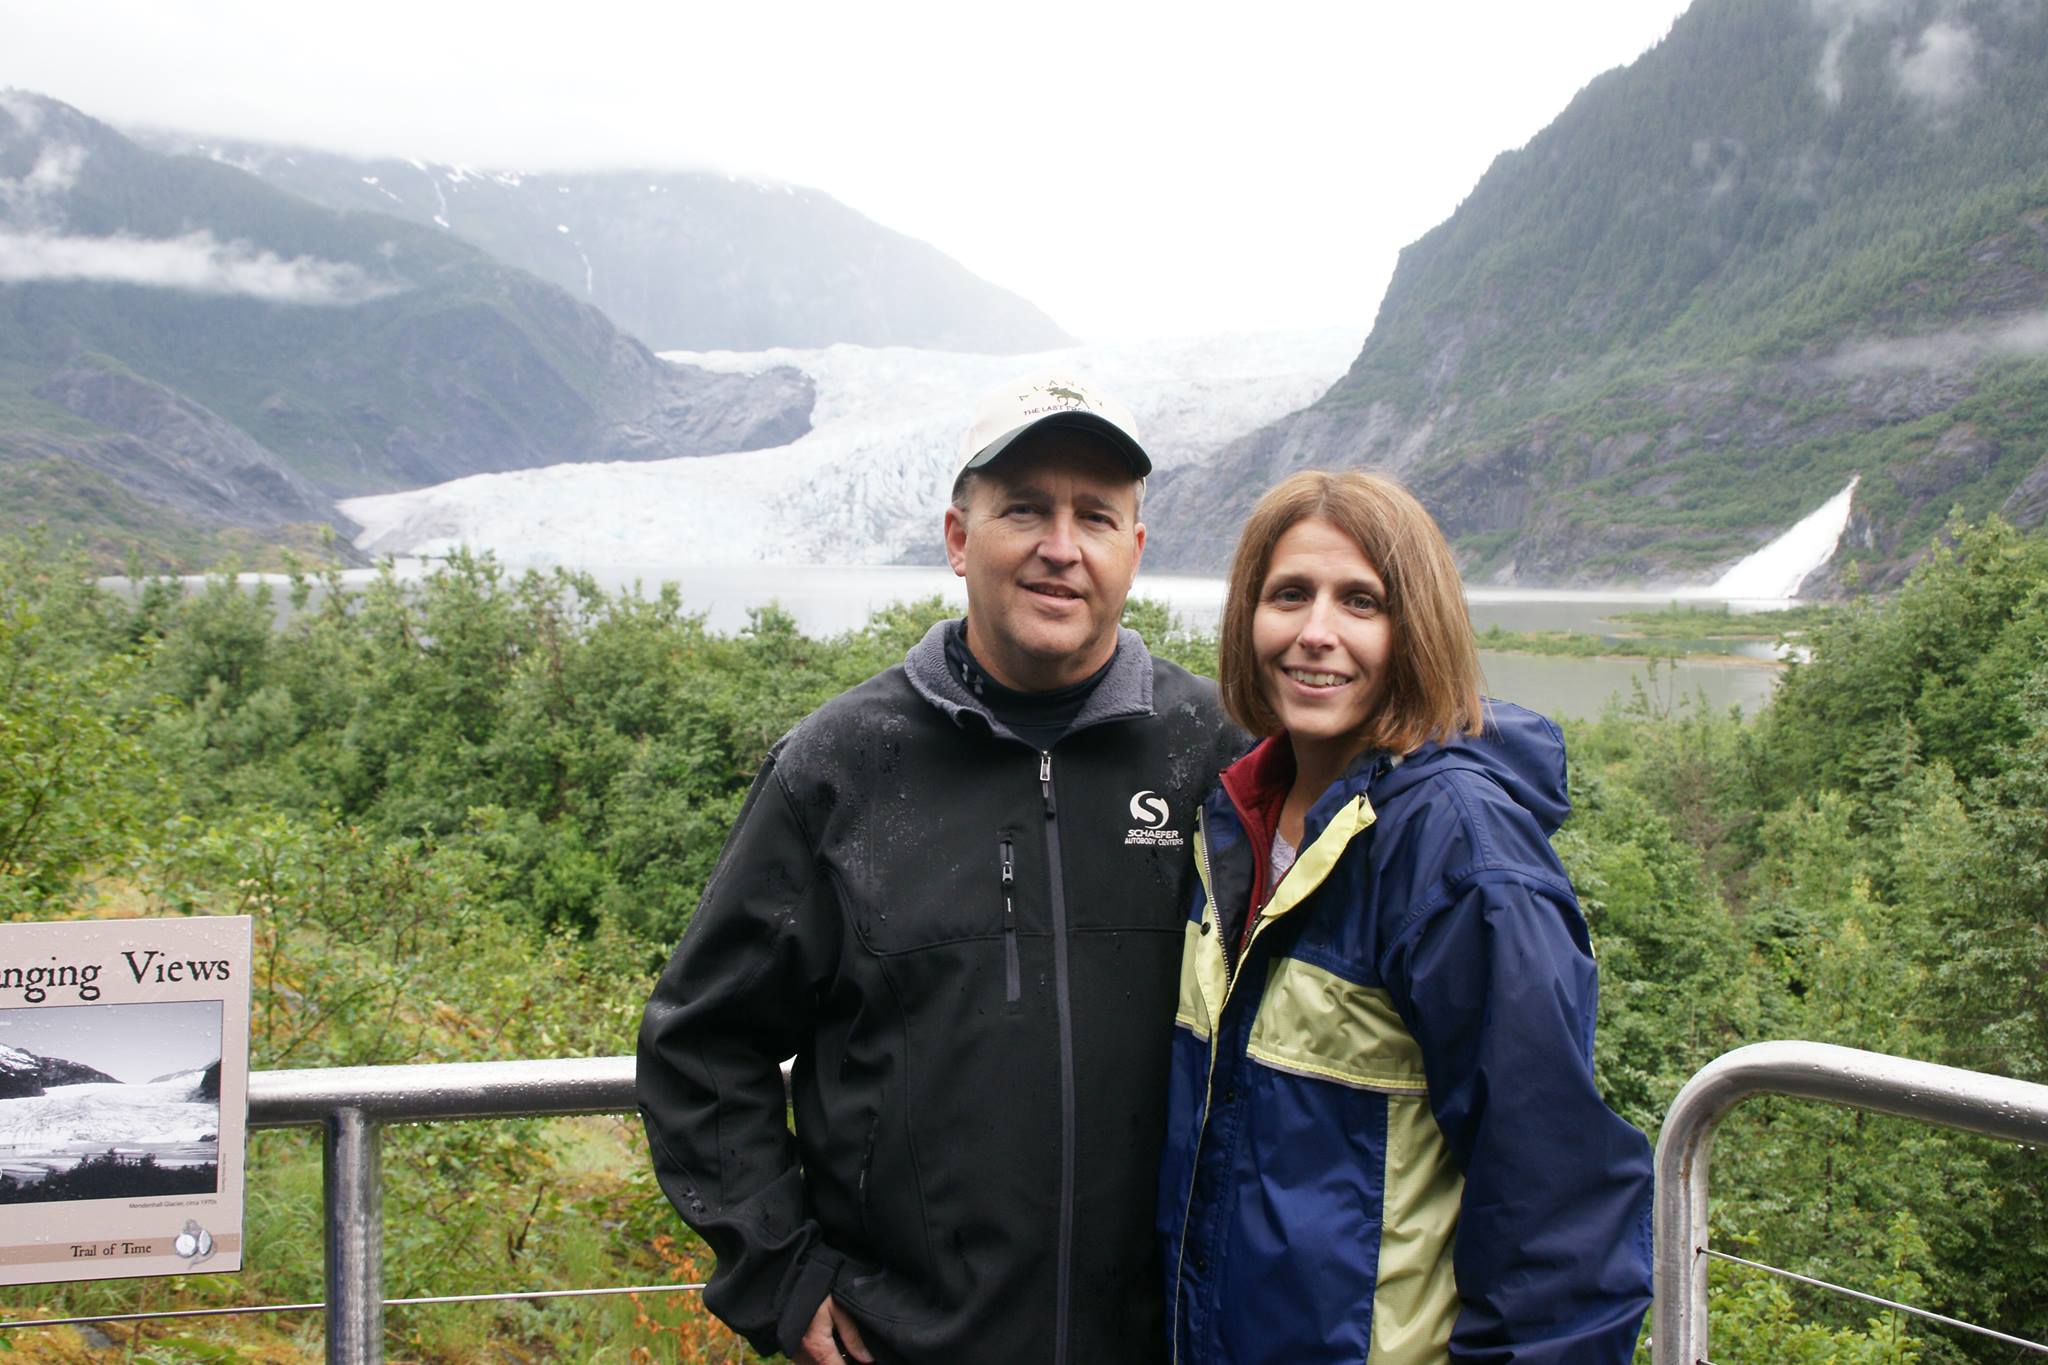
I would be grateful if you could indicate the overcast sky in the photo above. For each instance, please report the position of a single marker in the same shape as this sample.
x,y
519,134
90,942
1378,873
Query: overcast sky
x,y
1134,169
132,1043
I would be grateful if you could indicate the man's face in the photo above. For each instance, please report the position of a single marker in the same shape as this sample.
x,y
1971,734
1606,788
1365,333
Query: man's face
x,y
1048,544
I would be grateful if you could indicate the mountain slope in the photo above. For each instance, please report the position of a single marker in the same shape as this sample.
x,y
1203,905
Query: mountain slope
x,y
27,1074
1790,244
238,356
682,260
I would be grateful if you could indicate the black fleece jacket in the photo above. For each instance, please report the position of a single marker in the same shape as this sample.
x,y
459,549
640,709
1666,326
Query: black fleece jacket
x,y
972,950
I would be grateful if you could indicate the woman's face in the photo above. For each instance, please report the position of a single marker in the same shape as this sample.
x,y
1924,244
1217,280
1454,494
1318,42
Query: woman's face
x,y
1322,636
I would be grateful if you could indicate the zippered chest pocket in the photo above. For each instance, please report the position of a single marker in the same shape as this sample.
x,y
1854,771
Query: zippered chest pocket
x,y
1006,874
985,887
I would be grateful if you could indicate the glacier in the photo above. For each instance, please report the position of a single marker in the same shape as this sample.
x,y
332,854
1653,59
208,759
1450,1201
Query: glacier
x,y
95,1116
868,483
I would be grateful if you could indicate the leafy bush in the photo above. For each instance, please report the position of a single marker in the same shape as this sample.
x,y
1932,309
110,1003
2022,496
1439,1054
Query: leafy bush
x,y
470,814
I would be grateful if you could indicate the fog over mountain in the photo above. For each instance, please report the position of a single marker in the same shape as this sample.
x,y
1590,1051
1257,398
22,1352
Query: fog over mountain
x,y
682,260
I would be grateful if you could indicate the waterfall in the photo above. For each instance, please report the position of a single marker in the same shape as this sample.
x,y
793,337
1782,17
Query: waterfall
x,y
1777,570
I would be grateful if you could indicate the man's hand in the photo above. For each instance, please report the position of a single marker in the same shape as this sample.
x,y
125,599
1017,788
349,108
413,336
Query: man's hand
x,y
832,1331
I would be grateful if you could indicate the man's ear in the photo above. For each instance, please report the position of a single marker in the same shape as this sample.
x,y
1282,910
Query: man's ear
x,y
956,540
1139,558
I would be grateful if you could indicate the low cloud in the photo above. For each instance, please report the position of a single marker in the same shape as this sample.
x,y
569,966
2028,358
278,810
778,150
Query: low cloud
x,y
1857,11
1956,349
1827,76
34,198
1936,67
1720,157
17,105
1840,18
197,262
1939,68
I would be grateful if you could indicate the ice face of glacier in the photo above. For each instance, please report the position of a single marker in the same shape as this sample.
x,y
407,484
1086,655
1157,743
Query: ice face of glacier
x,y
868,484
89,1115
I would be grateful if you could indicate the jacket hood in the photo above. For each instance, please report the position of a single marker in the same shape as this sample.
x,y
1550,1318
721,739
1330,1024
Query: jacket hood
x,y
1461,1130
1519,749
1124,692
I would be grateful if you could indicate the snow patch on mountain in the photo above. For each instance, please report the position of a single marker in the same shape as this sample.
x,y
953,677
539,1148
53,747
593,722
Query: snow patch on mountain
x,y
868,484
190,1077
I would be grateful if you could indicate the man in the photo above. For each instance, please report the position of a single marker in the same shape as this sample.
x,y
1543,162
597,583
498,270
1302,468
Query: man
x,y
954,895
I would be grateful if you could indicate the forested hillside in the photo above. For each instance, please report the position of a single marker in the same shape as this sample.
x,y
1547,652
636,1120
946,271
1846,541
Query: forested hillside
x,y
1792,243
471,814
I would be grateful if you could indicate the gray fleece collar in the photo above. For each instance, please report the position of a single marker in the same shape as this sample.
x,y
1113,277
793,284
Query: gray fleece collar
x,y
1125,692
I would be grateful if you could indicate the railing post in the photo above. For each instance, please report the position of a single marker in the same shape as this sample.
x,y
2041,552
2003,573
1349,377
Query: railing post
x,y
1996,1106
354,1186
352,1104
1678,1317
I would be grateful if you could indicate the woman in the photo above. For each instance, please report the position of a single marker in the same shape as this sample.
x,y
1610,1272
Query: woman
x,y
1385,1143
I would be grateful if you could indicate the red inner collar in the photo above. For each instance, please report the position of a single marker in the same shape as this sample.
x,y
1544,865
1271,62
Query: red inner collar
x,y
1257,786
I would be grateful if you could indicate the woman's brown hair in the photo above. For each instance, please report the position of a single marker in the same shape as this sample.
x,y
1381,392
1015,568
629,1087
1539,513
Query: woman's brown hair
x,y
1432,687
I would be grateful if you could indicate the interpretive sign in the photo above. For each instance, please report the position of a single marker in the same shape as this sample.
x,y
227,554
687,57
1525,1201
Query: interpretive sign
x,y
124,1097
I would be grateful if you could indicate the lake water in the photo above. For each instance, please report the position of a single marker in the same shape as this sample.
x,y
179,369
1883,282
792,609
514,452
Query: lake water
x,y
827,599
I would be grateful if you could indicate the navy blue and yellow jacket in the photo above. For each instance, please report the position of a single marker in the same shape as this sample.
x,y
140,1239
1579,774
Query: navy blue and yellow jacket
x,y
1385,1143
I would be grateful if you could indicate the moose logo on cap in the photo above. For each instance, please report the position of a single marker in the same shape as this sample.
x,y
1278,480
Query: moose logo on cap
x,y
1061,395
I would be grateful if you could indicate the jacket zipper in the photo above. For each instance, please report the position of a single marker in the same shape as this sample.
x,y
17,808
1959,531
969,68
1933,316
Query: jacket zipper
x,y
1013,983
1062,997
867,1165
1214,913
1249,932
1180,1254
1252,928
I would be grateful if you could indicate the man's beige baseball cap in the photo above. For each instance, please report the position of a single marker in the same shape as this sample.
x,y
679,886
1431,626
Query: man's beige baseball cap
x,y
1007,411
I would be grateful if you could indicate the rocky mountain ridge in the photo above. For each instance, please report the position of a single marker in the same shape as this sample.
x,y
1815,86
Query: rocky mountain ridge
x,y
682,260
204,1080
1789,245
25,1074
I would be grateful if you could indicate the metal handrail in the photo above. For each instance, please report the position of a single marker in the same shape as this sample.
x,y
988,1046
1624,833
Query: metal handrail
x,y
352,1104
1996,1106
427,1092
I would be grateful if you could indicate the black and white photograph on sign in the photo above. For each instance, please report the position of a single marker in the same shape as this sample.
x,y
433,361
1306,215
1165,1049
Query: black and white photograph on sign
x,y
109,1101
